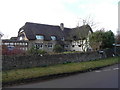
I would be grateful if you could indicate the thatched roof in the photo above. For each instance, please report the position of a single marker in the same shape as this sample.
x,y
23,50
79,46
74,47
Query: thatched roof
x,y
33,29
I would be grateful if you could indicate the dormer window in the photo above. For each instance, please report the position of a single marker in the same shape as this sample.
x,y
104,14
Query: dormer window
x,y
39,37
53,38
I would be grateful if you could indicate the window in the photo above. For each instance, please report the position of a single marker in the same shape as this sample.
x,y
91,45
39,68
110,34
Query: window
x,y
50,45
39,45
11,43
14,43
21,38
6,43
73,45
53,38
26,44
45,45
23,44
39,37
26,48
10,47
20,43
63,39
66,46
17,44
79,45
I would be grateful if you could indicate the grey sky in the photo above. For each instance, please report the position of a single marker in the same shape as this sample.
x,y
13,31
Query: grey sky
x,y
14,13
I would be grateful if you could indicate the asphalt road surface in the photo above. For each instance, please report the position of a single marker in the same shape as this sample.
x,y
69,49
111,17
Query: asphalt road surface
x,y
104,78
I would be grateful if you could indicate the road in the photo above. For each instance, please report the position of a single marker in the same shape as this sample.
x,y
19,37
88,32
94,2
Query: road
x,y
104,78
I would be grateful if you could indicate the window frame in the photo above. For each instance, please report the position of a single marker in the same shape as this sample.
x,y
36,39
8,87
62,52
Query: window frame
x,y
39,37
66,46
63,39
50,45
54,38
39,45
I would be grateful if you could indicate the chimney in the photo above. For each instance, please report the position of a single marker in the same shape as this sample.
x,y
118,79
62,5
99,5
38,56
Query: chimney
x,y
62,26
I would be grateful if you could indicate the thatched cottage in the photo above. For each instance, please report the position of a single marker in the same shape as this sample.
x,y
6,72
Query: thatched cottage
x,y
45,37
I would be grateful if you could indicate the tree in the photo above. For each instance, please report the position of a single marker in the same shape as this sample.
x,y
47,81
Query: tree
x,y
89,21
108,39
95,40
101,39
84,38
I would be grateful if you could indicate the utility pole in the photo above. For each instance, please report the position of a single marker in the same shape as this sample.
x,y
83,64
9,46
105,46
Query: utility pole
x,y
115,47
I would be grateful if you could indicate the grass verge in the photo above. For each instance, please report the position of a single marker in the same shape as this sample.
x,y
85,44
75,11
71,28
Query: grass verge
x,y
22,74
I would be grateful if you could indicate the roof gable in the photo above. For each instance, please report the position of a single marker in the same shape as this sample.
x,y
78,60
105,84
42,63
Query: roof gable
x,y
80,32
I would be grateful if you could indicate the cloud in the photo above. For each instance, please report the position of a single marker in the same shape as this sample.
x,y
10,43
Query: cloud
x,y
105,13
14,13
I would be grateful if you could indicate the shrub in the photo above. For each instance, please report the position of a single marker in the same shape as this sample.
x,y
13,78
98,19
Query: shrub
x,y
58,48
41,52
33,50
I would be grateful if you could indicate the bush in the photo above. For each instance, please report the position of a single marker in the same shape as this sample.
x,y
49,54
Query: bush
x,y
58,48
41,52
33,50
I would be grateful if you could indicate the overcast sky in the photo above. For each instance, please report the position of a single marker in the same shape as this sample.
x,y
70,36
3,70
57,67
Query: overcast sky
x,y
14,13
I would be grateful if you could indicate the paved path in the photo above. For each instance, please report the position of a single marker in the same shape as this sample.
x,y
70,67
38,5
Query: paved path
x,y
104,78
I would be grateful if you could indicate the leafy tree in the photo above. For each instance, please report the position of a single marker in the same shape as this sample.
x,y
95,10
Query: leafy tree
x,y
101,39
95,40
108,39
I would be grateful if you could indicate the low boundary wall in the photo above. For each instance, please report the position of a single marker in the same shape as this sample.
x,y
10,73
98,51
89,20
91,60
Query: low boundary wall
x,y
28,61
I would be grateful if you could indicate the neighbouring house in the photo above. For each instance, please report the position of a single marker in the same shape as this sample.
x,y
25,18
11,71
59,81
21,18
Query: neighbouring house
x,y
1,34
10,46
13,38
45,37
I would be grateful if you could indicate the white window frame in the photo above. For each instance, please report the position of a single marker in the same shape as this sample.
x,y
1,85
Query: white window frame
x,y
39,45
50,45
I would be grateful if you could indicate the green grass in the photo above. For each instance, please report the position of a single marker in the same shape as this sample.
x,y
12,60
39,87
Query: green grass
x,y
19,74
